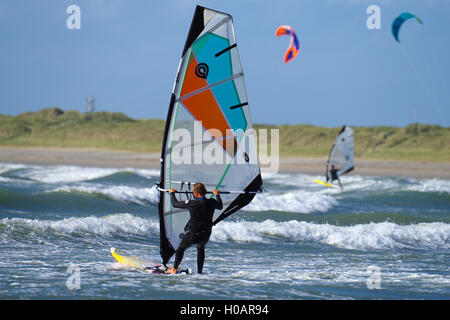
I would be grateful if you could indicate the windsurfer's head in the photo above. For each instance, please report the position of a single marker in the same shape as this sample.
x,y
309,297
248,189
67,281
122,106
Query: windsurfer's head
x,y
199,190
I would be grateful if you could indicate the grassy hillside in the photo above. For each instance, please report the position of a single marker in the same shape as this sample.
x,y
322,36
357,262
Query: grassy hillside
x,y
416,142
53,127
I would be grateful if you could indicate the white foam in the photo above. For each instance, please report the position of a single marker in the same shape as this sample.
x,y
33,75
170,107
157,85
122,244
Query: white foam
x,y
119,266
3,179
67,174
6,167
297,201
363,183
291,179
431,185
146,173
385,235
59,174
236,231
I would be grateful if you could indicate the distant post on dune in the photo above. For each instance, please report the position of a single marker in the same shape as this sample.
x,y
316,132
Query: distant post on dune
x,y
90,104
416,125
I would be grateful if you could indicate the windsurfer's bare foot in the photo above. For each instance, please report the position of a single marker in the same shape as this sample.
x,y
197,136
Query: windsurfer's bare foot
x,y
171,270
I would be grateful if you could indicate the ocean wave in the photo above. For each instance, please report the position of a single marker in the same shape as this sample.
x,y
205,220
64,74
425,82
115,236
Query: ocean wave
x,y
6,167
359,183
146,173
288,179
385,235
61,174
431,185
297,201
68,174
140,196
3,179
305,182
123,223
372,236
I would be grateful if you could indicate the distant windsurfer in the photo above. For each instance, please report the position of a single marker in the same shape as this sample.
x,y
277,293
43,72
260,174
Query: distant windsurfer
x,y
334,175
200,224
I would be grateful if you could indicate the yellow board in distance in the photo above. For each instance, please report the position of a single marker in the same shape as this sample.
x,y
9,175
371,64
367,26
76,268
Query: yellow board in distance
x,y
325,184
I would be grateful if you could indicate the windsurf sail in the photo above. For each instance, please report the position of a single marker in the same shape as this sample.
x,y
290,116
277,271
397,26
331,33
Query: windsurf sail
x,y
342,153
208,136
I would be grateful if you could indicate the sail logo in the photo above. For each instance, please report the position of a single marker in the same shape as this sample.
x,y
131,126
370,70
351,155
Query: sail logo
x,y
202,70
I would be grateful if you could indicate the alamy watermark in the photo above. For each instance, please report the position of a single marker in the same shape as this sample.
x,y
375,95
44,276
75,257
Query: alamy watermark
x,y
374,20
74,20
374,279
195,145
74,280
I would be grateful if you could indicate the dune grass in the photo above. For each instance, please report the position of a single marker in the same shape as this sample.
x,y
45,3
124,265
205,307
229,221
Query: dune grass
x,y
100,130
415,142
53,127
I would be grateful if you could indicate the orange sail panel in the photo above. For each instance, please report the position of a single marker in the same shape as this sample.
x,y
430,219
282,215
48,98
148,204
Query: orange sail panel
x,y
204,108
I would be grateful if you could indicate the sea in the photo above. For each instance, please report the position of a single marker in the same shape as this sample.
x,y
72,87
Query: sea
x,y
379,238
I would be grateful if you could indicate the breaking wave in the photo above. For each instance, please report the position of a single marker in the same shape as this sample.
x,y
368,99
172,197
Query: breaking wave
x,y
385,235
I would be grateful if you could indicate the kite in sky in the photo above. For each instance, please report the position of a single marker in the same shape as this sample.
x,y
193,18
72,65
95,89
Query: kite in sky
x,y
399,21
294,46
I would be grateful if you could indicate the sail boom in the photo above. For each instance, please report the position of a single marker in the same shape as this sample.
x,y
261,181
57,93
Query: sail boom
x,y
221,192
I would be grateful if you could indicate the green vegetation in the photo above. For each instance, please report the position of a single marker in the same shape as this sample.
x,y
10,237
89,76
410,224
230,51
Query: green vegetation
x,y
53,127
415,142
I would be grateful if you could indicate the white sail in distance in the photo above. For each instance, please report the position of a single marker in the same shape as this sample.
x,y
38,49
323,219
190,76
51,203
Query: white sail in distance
x,y
342,153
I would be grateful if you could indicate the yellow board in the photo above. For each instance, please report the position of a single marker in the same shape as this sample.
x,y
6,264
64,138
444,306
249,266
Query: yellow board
x,y
131,261
325,184
142,265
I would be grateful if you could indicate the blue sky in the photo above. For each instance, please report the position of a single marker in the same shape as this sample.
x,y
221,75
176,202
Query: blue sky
x,y
126,55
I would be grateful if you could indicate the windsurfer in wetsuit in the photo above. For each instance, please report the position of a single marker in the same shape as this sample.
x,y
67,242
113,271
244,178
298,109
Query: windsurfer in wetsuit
x,y
199,225
334,175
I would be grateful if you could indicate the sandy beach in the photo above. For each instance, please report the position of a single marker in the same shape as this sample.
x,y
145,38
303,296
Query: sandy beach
x,y
123,159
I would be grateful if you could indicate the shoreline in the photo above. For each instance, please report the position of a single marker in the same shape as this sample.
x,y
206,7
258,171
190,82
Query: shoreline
x,y
123,159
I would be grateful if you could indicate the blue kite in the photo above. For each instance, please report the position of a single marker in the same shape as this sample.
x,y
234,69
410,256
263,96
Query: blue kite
x,y
399,21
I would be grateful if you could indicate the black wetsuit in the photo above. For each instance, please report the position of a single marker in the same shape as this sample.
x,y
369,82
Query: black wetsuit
x,y
334,176
199,226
